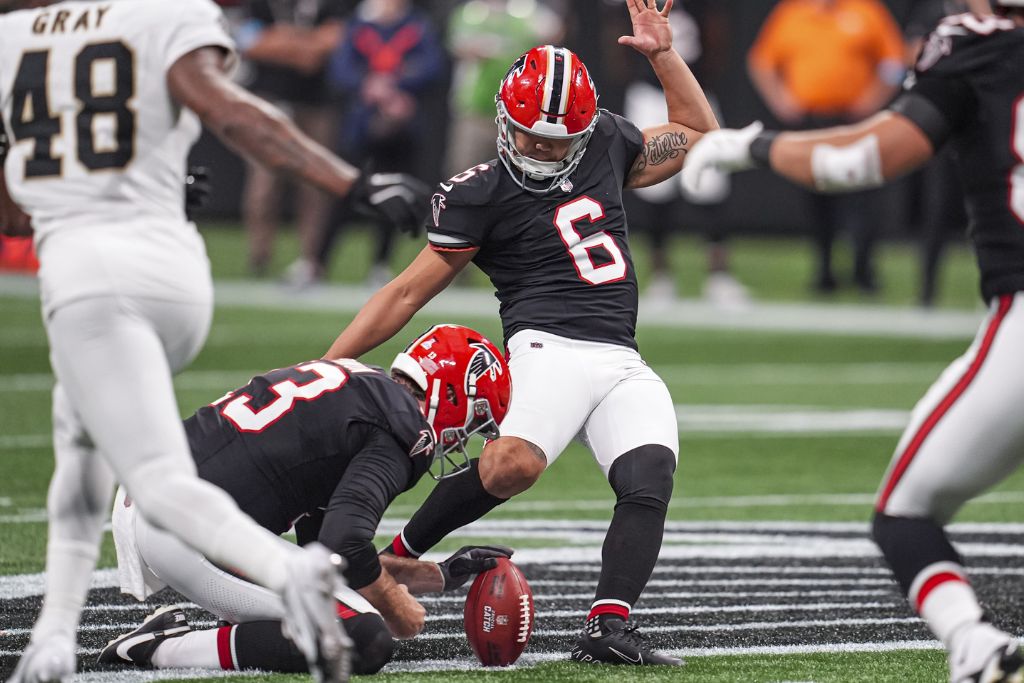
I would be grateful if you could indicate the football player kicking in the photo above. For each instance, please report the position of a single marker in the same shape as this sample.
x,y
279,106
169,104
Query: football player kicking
x,y
965,435
99,101
326,445
545,221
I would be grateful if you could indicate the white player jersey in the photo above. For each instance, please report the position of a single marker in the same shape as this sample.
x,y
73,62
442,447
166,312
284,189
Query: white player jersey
x,y
96,138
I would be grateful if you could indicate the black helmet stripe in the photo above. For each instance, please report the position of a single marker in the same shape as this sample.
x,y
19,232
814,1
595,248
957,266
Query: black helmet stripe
x,y
555,86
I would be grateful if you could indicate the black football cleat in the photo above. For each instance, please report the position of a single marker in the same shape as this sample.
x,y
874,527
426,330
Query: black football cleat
x,y
618,643
137,647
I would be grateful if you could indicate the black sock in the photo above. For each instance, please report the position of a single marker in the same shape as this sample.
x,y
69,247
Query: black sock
x,y
909,545
261,645
642,480
454,503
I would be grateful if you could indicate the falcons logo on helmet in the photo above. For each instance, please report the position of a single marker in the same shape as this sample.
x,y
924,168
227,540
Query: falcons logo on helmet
x,y
483,362
517,67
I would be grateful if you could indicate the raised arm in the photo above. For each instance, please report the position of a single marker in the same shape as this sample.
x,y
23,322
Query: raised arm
x,y
395,303
840,159
252,126
689,113
884,147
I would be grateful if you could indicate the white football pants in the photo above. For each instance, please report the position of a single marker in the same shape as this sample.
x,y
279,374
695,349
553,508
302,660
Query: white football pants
x,y
149,559
966,434
603,394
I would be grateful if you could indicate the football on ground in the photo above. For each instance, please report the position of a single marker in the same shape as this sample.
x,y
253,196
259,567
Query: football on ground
x,y
499,614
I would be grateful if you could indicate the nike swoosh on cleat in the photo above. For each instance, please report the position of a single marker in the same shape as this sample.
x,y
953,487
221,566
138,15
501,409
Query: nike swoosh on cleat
x,y
129,643
639,657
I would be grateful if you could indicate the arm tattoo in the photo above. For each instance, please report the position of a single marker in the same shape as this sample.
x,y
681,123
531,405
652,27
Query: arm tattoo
x,y
659,150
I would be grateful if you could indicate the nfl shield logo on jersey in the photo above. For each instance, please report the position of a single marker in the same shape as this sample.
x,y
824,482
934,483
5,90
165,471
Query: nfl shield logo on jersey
x,y
566,185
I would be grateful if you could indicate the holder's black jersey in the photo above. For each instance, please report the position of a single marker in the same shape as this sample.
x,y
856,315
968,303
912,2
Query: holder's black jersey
x,y
559,261
971,72
331,436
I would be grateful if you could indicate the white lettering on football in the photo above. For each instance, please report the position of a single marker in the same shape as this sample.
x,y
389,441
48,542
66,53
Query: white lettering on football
x,y
488,618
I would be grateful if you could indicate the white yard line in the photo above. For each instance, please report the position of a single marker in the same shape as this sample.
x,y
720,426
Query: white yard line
x,y
883,321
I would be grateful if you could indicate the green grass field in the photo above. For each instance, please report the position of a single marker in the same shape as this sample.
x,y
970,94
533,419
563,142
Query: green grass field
x,y
733,470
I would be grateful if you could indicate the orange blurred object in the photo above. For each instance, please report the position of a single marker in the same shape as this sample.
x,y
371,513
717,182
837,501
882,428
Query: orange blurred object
x,y
17,254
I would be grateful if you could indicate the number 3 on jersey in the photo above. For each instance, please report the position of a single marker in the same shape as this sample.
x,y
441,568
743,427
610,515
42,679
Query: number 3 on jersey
x,y
566,218
104,82
317,378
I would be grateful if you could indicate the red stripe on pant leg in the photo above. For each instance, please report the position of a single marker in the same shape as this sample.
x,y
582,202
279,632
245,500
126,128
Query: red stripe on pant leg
x,y
946,403
224,648
933,583
344,611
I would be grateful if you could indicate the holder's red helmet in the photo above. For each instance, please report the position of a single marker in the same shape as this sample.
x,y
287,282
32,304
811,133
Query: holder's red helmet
x,y
547,92
467,386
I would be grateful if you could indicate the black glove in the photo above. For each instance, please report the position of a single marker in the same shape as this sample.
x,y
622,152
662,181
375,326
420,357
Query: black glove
x,y
398,198
197,189
470,560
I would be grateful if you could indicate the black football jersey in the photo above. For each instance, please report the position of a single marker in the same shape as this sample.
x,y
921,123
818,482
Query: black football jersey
x,y
330,436
559,261
971,71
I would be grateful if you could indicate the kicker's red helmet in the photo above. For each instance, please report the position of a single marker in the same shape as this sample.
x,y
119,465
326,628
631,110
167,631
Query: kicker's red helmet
x,y
467,386
547,92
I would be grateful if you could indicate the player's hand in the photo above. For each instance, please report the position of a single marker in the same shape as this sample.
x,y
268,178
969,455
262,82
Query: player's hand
x,y
197,189
468,561
398,198
651,31
721,151
403,614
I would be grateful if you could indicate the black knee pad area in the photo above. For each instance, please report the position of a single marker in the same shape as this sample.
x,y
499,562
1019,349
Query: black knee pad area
x,y
644,476
373,644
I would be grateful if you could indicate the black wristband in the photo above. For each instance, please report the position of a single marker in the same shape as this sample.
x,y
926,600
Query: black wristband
x,y
761,147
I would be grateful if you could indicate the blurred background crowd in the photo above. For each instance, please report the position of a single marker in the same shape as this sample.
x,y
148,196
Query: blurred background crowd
x,y
404,85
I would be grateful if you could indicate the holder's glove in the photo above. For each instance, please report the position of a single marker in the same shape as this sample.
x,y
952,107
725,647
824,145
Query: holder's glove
x,y
468,561
398,198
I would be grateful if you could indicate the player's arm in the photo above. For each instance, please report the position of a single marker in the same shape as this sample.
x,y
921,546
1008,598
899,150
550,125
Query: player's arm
x,y
689,113
394,304
436,577
840,159
373,479
884,147
252,126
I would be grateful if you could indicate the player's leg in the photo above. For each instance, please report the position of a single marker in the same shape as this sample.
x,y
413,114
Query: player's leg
x,y
634,436
538,426
114,357
228,596
164,641
77,505
963,438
